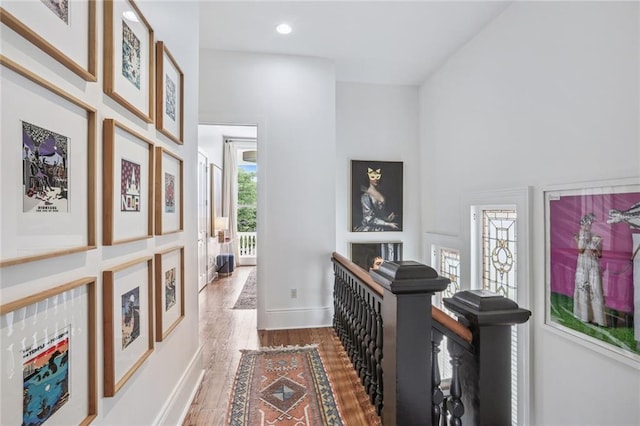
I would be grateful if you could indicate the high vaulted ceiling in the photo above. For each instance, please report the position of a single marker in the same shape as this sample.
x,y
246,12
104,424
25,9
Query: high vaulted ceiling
x,y
381,42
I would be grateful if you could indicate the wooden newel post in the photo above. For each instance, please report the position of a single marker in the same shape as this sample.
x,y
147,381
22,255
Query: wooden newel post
x,y
485,374
406,355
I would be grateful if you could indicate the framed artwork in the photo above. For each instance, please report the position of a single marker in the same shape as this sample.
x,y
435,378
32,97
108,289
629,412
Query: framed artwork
x,y
127,195
129,58
169,291
63,29
47,172
216,195
48,356
593,264
371,255
127,308
168,193
376,196
169,95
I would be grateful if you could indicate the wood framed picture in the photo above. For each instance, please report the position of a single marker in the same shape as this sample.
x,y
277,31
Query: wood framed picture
x,y
169,95
47,172
63,29
169,294
376,196
592,259
216,195
49,356
371,255
168,192
129,58
127,195
127,308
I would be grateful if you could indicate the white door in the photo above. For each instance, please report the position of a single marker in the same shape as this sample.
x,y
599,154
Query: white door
x,y
203,219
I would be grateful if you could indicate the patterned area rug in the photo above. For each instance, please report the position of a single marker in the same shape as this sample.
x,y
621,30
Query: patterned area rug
x,y
248,295
282,386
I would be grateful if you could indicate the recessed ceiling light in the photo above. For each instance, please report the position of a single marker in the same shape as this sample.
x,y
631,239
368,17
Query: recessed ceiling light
x,y
283,28
129,15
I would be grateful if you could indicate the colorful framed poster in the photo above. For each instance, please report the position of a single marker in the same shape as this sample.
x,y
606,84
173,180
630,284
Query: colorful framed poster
x,y
63,29
376,196
48,356
169,95
129,58
371,255
168,192
128,321
47,172
216,194
169,291
127,195
593,264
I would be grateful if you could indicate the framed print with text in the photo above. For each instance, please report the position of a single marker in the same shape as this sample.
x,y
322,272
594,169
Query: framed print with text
x,y
168,192
63,29
127,195
129,58
169,294
376,196
47,172
169,95
48,356
127,308
593,264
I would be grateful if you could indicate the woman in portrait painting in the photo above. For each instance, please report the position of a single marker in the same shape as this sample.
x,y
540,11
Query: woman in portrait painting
x,y
375,215
588,297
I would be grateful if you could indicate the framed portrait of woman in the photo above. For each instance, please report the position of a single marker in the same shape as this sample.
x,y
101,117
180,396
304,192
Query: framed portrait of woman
x,y
376,196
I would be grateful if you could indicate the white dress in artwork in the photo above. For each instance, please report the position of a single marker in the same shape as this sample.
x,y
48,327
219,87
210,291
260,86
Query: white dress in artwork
x,y
588,297
636,287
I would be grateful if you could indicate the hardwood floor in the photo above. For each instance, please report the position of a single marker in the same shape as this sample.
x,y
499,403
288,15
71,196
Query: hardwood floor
x,y
225,331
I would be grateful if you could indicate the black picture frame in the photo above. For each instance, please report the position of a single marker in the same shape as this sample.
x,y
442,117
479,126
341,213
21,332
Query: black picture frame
x,y
385,206
364,254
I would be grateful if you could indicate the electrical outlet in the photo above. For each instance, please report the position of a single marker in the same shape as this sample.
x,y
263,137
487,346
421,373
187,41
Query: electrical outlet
x,y
294,293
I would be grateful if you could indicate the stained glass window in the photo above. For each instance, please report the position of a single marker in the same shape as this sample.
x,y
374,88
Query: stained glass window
x,y
499,252
499,275
450,268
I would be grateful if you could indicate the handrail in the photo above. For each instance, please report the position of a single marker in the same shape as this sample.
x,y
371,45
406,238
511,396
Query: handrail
x,y
359,273
451,324
437,314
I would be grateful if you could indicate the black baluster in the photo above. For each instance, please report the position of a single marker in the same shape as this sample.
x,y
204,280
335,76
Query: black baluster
x,y
454,404
366,350
438,395
378,400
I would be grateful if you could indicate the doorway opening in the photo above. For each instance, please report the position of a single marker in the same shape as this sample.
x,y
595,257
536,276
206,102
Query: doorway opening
x,y
232,153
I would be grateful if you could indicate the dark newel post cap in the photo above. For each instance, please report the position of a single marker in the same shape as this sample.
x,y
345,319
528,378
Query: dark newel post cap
x,y
405,277
483,307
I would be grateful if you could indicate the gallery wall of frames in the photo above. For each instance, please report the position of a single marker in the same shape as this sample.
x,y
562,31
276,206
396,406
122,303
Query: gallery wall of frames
x,y
91,171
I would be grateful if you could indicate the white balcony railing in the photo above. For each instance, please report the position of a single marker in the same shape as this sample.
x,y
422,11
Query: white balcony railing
x,y
247,244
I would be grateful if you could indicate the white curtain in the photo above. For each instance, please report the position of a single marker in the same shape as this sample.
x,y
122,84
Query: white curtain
x,y
230,194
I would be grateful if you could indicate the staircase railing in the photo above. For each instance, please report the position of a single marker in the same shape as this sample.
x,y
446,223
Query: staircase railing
x,y
393,335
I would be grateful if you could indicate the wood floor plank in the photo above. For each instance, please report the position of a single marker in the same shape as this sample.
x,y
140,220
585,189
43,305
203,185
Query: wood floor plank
x,y
224,332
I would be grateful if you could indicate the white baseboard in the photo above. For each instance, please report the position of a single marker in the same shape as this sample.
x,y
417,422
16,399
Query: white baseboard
x,y
280,319
177,406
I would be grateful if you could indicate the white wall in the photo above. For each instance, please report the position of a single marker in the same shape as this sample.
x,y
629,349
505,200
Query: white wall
x,y
211,139
161,387
292,101
378,122
547,94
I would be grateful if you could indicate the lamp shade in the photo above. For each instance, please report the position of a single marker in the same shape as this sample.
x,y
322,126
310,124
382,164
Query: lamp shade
x,y
250,156
222,222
